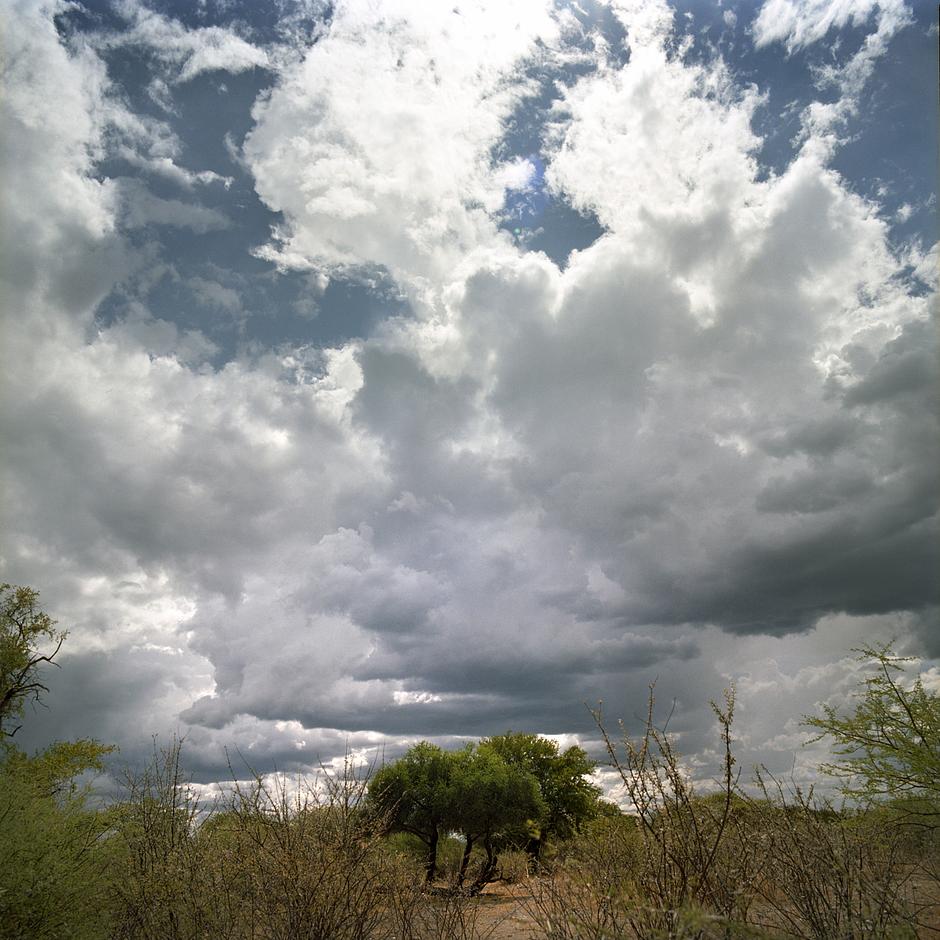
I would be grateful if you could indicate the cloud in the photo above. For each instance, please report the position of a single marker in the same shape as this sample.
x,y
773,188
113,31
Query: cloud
x,y
141,208
705,449
517,174
684,130
214,294
376,145
186,52
150,145
799,23
166,168
58,231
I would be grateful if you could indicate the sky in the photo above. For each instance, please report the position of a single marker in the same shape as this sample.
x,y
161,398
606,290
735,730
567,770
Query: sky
x,y
386,370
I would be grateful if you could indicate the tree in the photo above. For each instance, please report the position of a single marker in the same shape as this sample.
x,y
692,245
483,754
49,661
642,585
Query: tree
x,y
890,745
486,797
24,626
23,629
53,860
569,799
411,795
510,788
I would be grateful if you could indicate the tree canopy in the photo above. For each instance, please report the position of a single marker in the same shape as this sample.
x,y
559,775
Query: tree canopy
x,y
509,789
412,795
568,797
487,798
889,747
24,630
50,866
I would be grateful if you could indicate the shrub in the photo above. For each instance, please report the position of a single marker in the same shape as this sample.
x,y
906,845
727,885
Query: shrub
x,y
726,864
53,859
514,865
829,873
274,859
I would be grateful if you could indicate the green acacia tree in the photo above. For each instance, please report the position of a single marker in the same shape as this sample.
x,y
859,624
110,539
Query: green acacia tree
x,y
429,792
889,747
488,796
568,797
412,795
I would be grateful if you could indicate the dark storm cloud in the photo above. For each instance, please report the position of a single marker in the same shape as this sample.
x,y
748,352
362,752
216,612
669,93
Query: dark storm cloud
x,y
814,437
341,454
101,694
907,366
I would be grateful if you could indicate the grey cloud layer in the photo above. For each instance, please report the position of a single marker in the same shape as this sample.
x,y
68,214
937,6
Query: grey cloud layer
x,y
720,416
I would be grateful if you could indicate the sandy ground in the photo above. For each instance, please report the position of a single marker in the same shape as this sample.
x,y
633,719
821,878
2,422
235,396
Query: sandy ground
x,y
503,913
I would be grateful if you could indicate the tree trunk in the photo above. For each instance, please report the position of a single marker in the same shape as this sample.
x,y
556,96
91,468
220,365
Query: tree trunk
x,y
432,857
488,873
534,849
465,861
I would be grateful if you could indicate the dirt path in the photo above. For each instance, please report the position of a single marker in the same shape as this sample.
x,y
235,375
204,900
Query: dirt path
x,y
503,913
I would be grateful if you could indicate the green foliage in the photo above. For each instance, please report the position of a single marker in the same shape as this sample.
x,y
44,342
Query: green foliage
x,y
411,795
24,629
55,771
55,851
159,882
271,858
510,790
681,864
890,745
413,790
430,792
487,795
54,848
486,798
449,851
727,864
569,799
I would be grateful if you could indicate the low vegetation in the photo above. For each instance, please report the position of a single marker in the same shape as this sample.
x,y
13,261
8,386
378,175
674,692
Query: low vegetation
x,y
404,850
767,860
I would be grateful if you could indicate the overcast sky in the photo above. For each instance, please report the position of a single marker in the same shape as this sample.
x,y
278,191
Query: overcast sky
x,y
378,371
